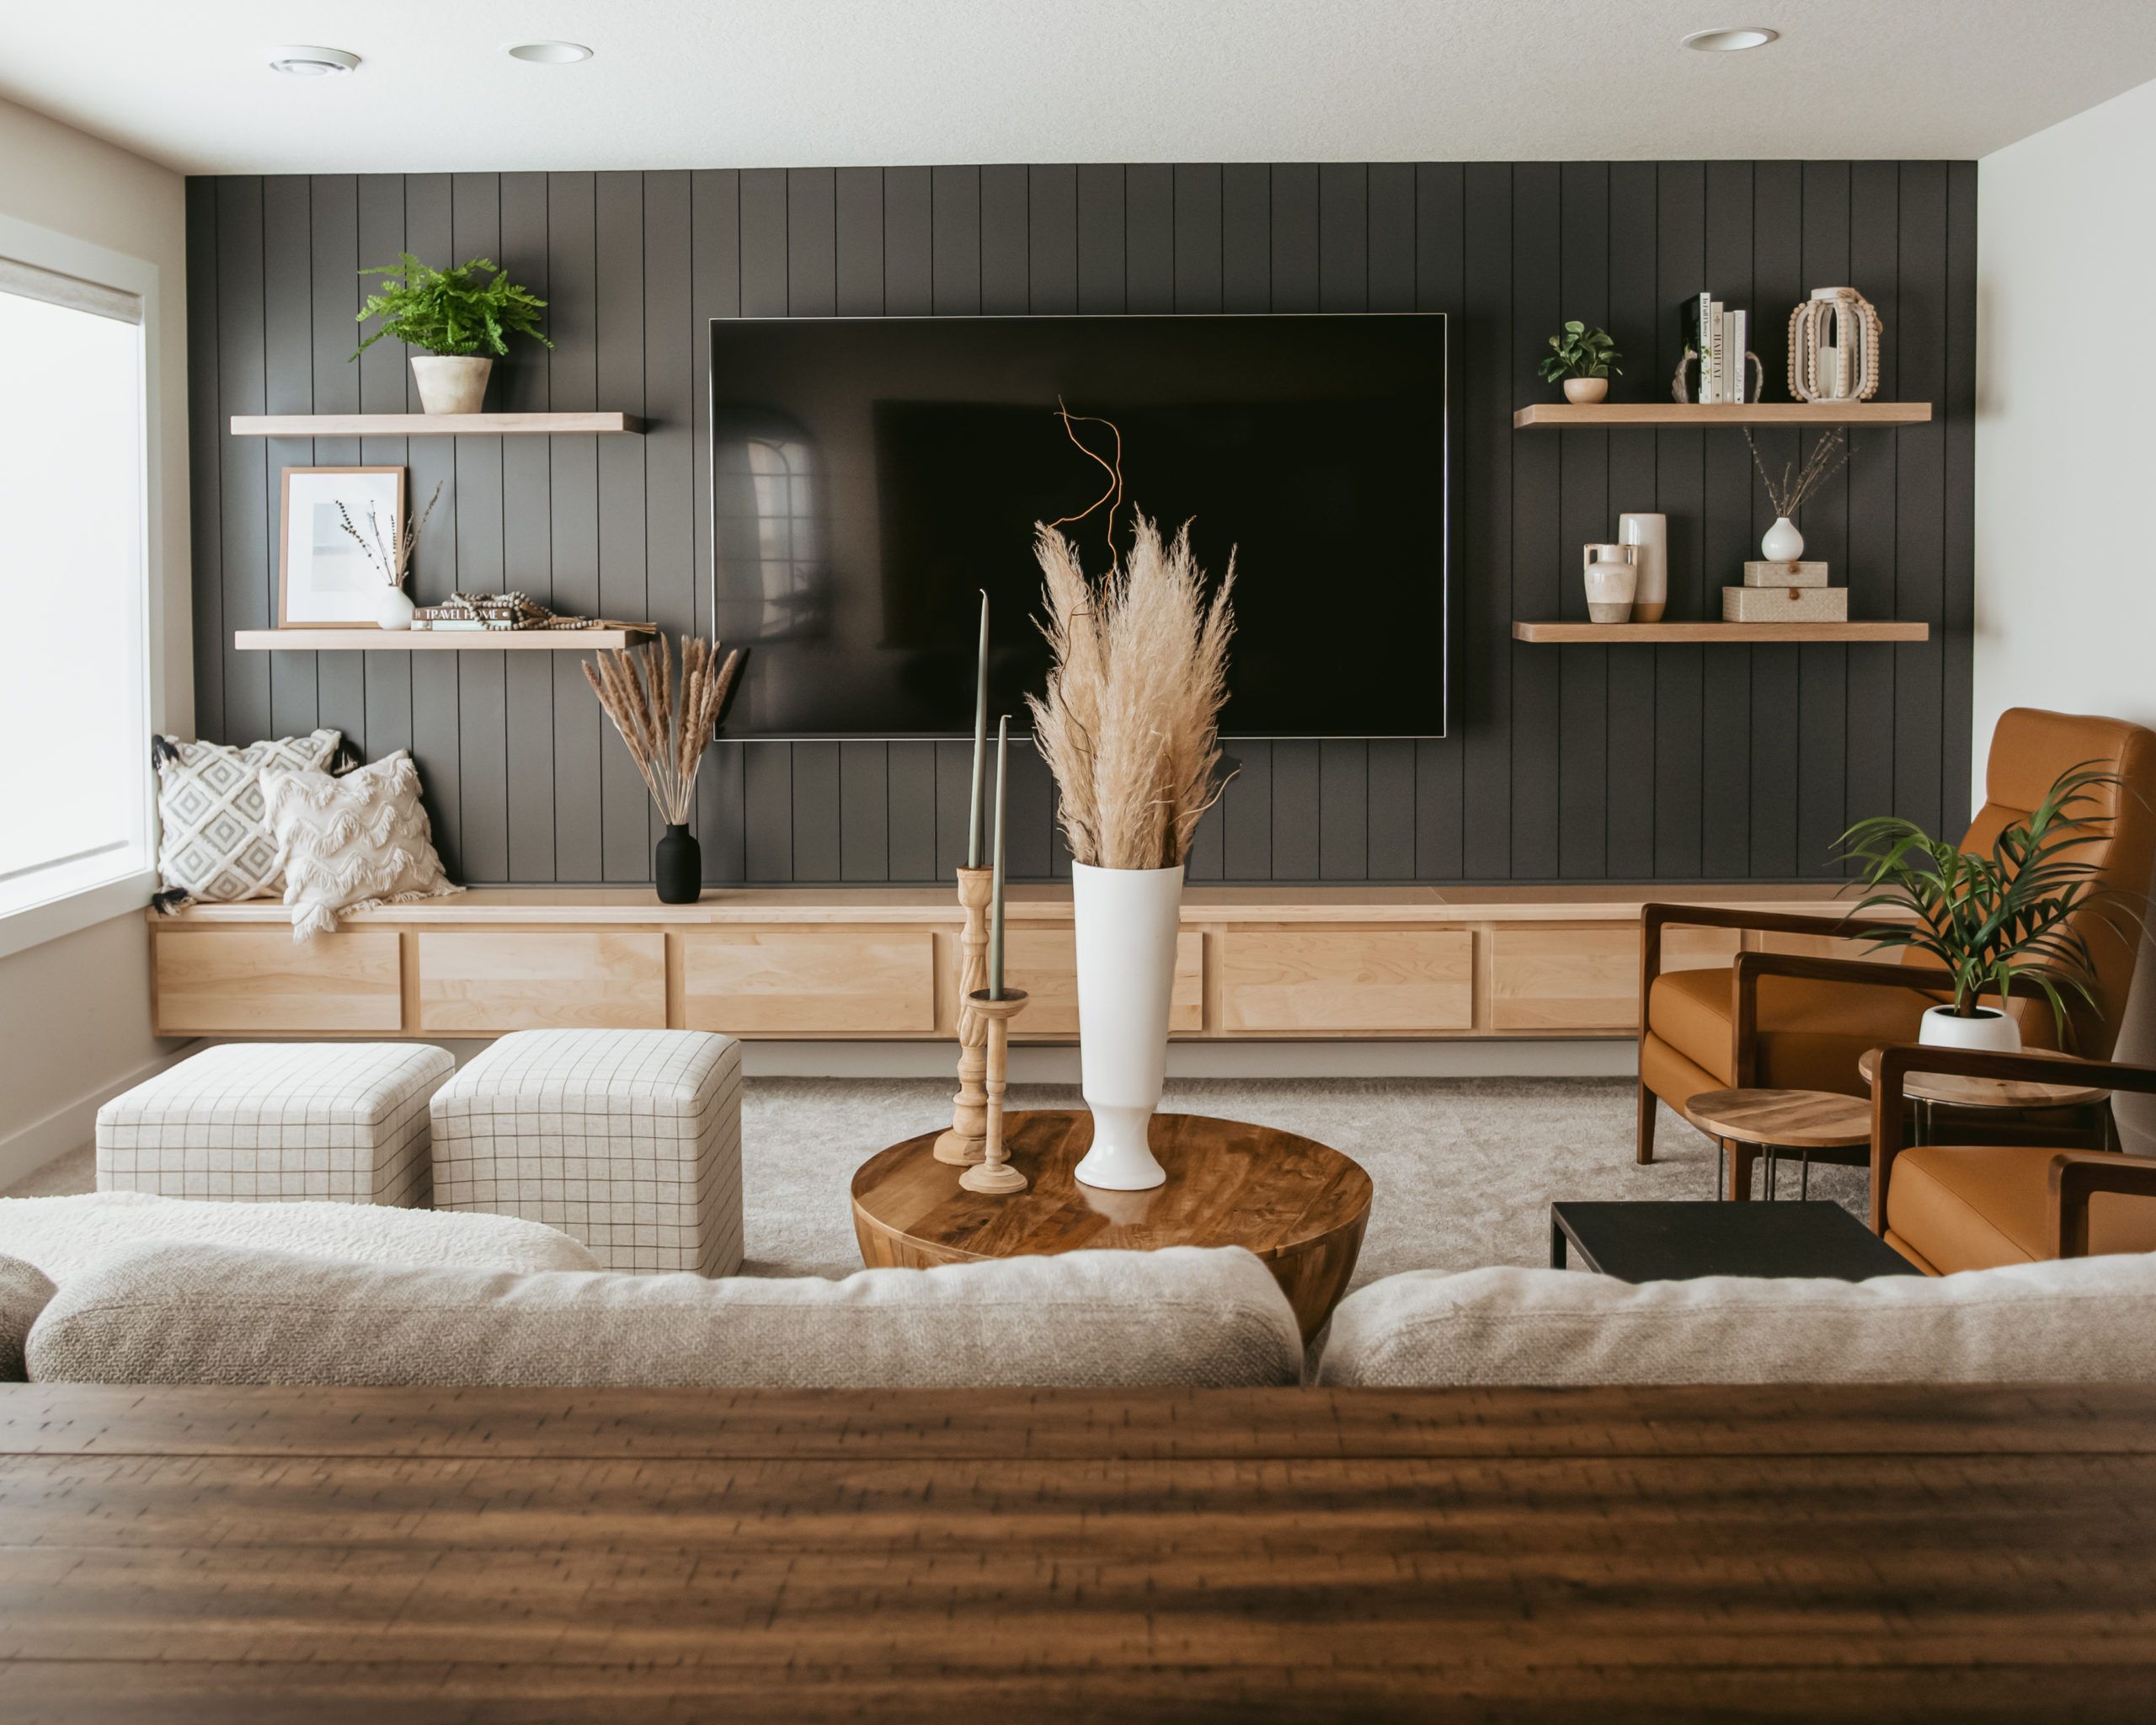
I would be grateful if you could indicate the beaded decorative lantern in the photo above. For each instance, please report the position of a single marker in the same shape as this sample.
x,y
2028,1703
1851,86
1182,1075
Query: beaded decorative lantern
x,y
1834,346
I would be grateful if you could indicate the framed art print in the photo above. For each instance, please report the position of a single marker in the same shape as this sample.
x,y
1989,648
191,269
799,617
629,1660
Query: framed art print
x,y
325,578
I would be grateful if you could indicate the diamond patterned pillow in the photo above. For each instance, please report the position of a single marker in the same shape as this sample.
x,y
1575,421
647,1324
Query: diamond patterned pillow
x,y
215,842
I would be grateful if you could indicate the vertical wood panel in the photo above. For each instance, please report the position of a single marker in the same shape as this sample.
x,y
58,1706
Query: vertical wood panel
x,y
1872,478
1777,743
1726,540
625,836
911,810
714,291
437,741
1343,806
1822,686
812,260
864,811
581,731
288,387
818,846
1957,691
384,388
1537,567
1440,263
1298,810
1587,516
954,208
1246,237
334,295
481,480
1052,240
1149,238
246,535
1483,571
1680,466
908,244
522,383
1200,252
205,439
1920,491
858,218
1635,303
1344,242
1102,282
1003,240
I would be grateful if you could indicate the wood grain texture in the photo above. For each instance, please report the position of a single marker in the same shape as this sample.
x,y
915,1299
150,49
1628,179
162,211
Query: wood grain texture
x,y
1966,1092
297,638
1603,415
1842,1553
809,981
1297,1204
1657,764
475,983
1715,634
1798,1119
510,424
1347,981
1043,962
240,981
1585,979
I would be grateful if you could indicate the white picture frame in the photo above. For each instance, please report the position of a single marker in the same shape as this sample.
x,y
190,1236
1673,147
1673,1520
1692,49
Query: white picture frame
x,y
325,581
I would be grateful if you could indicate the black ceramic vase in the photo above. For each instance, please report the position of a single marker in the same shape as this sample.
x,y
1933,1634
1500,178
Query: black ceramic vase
x,y
679,864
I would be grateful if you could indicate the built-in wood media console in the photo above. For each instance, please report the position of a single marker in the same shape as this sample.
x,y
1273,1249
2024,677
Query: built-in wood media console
x,y
881,964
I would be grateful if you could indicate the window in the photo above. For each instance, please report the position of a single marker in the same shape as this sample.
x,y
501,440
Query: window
x,y
74,718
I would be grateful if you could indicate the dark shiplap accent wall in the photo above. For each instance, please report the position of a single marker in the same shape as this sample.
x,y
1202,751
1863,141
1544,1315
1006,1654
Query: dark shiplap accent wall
x,y
1581,763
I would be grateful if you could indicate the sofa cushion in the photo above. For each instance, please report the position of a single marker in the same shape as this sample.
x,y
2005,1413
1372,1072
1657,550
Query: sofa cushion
x,y
171,1314
1973,1207
2090,1319
63,1237
24,1290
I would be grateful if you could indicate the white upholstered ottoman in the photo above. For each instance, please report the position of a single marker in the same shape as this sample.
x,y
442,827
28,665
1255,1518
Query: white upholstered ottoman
x,y
278,1122
629,1139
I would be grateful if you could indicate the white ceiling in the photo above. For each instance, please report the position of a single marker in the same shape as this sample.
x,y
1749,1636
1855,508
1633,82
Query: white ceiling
x,y
707,83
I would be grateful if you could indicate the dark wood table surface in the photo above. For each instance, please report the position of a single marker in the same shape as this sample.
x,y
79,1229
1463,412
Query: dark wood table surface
x,y
1661,1240
325,1555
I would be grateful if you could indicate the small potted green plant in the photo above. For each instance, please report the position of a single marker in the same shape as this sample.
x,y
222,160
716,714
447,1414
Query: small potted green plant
x,y
1997,920
460,319
1585,358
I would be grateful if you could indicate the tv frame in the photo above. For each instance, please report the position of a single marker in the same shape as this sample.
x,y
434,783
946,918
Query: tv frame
x,y
1445,597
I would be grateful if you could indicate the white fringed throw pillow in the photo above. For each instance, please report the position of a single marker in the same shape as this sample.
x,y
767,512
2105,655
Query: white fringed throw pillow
x,y
350,843
214,842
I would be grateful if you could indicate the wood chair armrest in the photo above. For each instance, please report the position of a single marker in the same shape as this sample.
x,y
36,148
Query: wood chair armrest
x,y
1750,967
1889,1114
2076,1175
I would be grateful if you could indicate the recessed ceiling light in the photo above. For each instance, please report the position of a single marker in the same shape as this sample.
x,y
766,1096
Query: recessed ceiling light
x,y
1730,41
312,62
550,53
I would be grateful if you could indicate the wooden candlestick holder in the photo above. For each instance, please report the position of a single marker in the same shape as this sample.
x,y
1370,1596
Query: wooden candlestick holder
x,y
965,1142
994,1172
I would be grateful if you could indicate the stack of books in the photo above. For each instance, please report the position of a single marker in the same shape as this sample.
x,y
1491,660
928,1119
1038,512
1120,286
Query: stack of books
x,y
1717,336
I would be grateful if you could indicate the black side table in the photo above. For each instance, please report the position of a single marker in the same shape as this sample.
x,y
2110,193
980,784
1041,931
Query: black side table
x,y
1667,1241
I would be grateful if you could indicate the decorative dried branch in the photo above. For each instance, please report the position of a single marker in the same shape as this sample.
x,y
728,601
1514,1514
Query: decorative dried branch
x,y
666,738
1826,459
391,559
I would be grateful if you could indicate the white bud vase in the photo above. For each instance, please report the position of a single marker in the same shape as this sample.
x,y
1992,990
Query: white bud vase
x,y
1782,543
1128,920
392,608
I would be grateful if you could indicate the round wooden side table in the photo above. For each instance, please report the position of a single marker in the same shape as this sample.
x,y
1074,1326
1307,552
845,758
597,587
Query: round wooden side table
x,y
1298,1205
1748,1123
1930,1090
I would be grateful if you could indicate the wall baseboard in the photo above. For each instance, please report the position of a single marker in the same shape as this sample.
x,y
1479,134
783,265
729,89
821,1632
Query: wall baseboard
x,y
74,1125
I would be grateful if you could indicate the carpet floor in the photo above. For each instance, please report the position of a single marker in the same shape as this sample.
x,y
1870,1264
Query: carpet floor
x,y
1465,1169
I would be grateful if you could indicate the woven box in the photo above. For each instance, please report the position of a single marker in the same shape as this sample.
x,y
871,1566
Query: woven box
x,y
628,1140
1785,575
1785,604
282,1121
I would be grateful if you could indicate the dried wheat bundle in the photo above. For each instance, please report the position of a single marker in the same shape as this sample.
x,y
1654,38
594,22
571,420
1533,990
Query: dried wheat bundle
x,y
1129,726
665,737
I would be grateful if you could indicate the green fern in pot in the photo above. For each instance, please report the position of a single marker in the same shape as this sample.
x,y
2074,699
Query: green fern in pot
x,y
1999,923
460,319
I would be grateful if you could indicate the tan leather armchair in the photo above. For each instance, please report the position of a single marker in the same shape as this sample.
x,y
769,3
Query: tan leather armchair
x,y
1802,1023
1948,1207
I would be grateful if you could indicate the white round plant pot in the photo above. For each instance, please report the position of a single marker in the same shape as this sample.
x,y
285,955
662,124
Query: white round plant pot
x,y
1584,392
451,383
1782,543
1128,920
1989,1030
392,609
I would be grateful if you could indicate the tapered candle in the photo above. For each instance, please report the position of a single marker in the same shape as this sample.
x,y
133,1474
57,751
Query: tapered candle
x,y
980,740
995,880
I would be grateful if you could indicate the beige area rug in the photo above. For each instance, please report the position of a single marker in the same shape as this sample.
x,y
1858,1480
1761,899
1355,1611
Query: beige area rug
x,y
1465,1169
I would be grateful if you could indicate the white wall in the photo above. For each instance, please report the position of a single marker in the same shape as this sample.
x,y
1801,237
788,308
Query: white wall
x,y
74,1013
2066,444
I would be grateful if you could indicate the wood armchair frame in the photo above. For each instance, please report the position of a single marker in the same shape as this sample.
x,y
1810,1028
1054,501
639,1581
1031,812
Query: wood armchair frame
x,y
2076,1175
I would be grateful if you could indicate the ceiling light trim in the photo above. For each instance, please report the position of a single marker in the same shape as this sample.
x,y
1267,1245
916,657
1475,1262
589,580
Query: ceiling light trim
x,y
302,60
549,53
1731,38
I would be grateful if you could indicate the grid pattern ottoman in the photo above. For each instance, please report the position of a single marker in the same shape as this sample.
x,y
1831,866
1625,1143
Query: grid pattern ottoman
x,y
285,1121
629,1139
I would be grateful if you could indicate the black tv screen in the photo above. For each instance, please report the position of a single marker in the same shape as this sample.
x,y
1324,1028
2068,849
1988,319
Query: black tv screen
x,y
870,477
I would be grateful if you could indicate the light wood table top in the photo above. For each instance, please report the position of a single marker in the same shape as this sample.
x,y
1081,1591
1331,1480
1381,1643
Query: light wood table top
x,y
1835,1553
1297,1204
1788,1119
1953,1088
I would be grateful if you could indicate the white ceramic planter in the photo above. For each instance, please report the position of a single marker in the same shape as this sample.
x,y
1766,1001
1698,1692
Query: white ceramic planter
x,y
1127,920
1611,582
392,608
1782,543
1585,391
451,383
1989,1030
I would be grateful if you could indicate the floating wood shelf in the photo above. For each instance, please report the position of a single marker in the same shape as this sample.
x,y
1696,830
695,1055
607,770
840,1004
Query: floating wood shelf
x,y
1640,634
434,424
1673,414
435,640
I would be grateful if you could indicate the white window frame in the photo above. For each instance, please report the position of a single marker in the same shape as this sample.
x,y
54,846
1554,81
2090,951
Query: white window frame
x,y
81,907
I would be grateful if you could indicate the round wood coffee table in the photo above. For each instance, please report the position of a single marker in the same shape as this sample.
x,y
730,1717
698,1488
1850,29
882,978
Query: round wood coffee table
x,y
1747,1122
1934,1090
1298,1205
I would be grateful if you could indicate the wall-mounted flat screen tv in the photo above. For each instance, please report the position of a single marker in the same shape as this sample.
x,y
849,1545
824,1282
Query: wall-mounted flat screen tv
x,y
870,477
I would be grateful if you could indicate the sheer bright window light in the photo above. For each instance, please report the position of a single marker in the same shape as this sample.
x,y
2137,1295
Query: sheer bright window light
x,y
71,697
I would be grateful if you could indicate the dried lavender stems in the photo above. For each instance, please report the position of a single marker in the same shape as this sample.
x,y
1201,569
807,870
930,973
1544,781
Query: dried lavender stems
x,y
391,557
635,686
1826,458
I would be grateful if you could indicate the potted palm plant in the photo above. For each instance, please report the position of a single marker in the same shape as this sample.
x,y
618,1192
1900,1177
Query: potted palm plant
x,y
460,319
1994,921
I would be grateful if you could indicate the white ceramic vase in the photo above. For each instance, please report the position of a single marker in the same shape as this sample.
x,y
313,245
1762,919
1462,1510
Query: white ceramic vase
x,y
1612,582
392,608
1989,1030
1782,543
1647,534
1128,919
451,383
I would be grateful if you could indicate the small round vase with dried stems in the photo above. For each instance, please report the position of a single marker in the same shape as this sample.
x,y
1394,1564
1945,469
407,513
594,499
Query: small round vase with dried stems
x,y
678,863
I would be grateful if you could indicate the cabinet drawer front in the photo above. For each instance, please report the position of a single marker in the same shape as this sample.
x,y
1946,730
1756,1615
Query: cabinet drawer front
x,y
1585,979
1347,981
257,982
1043,962
809,982
482,985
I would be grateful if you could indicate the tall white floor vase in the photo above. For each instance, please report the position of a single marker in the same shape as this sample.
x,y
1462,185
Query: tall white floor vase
x,y
1127,924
